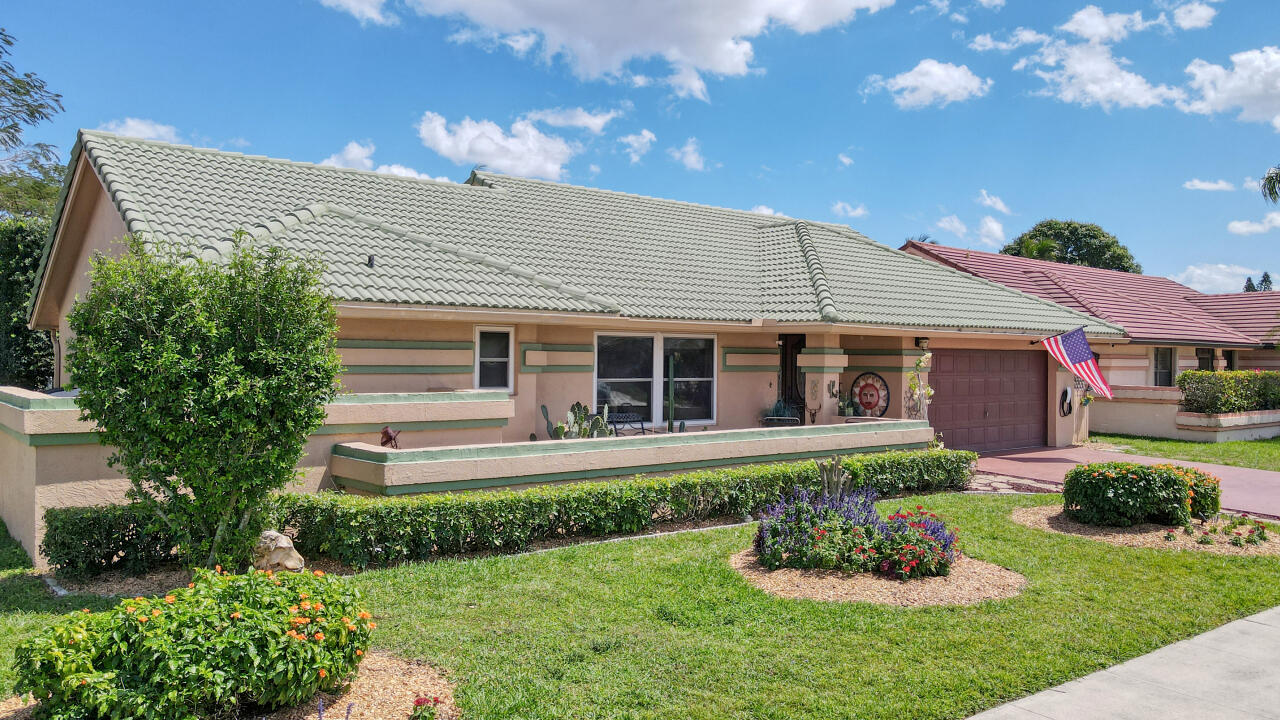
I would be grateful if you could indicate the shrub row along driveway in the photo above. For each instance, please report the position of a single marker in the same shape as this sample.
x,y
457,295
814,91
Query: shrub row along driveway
x,y
1243,489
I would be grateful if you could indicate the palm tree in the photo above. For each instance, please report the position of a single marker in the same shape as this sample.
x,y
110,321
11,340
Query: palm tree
x,y
1271,185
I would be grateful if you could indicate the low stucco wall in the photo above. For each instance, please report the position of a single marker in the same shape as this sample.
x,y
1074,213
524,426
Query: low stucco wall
x,y
1254,425
369,468
1137,410
50,458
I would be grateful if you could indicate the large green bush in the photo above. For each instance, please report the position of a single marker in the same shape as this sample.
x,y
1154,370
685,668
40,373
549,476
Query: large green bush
x,y
1126,493
362,531
1229,391
26,356
224,643
205,377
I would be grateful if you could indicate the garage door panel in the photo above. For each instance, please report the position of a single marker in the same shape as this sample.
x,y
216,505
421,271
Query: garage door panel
x,y
989,399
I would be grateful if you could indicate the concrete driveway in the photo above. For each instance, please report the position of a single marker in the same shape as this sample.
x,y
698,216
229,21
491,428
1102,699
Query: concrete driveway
x,y
1243,489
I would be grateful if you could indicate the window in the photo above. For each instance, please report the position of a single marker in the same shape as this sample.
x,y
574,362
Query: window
x,y
493,359
629,368
1163,367
1204,358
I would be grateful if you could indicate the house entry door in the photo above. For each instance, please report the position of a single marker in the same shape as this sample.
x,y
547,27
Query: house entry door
x,y
790,379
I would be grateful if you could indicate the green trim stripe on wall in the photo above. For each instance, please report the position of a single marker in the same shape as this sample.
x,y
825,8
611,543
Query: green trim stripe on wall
x,y
882,351
484,452
40,403
360,428
449,396
406,369
407,344
526,368
452,485
725,352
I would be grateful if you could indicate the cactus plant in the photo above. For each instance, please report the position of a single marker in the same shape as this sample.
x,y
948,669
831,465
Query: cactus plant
x,y
836,481
579,423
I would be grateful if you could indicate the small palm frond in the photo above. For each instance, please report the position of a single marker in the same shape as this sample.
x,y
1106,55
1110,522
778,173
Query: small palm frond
x,y
1271,185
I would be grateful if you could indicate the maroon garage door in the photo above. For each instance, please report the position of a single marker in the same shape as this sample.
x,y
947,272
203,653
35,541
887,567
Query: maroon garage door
x,y
989,399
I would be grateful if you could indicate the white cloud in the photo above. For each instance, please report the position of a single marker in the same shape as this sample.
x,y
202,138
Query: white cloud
x,y
689,155
991,4
599,39
142,128
526,150
1211,185
764,210
1249,227
1193,16
1252,84
594,169
990,232
992,201
366,11
1088,74
638,144
520,43
843,209
1215,277
1019,37
952,224
845,160
1094,25
939,6
359,156
238,142
574,117
931,83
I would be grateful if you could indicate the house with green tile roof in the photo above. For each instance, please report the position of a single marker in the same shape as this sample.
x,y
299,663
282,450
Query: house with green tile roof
x,y
537,293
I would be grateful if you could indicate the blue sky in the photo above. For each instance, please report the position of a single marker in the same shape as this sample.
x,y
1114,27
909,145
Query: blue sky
x,y
969,120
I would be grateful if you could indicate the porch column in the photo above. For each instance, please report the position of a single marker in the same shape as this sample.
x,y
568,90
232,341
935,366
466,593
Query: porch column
x,y
1219,360
822,360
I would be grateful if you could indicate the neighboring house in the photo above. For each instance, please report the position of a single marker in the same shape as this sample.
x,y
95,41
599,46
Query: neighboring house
x,y
1171,328
465,308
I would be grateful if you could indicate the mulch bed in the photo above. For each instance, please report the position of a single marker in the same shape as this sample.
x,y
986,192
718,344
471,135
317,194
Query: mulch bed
x,y
385,688
1146,535
970,582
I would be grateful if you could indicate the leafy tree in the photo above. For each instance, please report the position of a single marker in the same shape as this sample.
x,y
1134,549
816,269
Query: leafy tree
x,y
1074,243
922,238
1249,286
26,356
206,378
1271,185
1264,283
31,191
25,101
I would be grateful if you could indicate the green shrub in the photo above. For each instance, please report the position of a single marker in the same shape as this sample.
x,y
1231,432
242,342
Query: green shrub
x,y
86,541
205,378
1126,493
226,642
362,531
1228,392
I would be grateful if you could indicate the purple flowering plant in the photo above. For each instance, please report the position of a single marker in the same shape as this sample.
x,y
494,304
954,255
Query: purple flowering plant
x,y
808,530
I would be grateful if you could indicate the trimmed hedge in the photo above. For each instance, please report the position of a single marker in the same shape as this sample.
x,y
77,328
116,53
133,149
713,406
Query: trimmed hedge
x,y
368,531
1126,493
1229,391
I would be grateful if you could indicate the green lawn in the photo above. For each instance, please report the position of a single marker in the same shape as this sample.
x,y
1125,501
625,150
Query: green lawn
x,y
662,628
1262,454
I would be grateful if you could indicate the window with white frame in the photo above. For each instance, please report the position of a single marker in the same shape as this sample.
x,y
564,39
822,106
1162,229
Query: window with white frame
x,y
634,374
493,359
1162,365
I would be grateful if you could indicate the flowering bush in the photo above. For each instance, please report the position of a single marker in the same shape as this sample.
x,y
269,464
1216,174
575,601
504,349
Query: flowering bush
x,y
259,640
1125,493
817,531
424,708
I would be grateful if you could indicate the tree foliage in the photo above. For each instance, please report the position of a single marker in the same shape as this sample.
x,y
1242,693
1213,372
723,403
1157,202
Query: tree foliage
x,y
25,101
1271,185
31,191
26,356
1249,286
1264,282
206,378
1074,243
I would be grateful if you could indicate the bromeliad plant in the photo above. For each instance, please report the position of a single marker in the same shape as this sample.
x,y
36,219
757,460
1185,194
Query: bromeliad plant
x,y
259,640
808,530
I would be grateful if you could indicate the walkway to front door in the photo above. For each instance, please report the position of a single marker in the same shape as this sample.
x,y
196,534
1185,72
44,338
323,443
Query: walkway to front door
x,y
1243,489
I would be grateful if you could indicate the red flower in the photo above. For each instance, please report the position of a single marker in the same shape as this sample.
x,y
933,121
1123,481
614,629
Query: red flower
x,y
420,701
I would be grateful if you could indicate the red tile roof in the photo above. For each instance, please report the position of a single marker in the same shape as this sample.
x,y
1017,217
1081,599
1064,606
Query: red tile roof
x,y
1150,308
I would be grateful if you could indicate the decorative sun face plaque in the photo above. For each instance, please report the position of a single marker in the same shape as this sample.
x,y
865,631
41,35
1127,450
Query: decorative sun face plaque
x,y
871,395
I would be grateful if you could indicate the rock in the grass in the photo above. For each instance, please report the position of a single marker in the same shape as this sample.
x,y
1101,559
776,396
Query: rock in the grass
x,y
275,551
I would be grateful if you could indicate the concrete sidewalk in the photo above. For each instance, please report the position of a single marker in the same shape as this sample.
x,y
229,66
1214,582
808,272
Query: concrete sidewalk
x,y
1227,673
1243,489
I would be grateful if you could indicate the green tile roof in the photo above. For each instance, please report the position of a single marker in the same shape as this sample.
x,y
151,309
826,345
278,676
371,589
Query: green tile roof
x,y
513,243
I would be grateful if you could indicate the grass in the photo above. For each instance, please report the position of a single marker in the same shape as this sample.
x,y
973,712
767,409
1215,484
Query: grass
x,y
662,628
1261,454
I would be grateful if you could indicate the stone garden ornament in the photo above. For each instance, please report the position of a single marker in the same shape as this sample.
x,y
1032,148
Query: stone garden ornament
x,y
275,552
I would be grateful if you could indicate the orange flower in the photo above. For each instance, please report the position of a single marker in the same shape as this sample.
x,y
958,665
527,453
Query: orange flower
x,y
83,681
359,653
293,609
217,568
303,596
364,615
155,613
235,615
345,620
351,628
306,606
139,599
323,674
191,585
319,573
169,599
319,606
319,636
130,609
85,610
373,626
143,618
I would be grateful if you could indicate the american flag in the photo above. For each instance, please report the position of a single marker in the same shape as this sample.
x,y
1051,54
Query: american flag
x,y
1073,351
